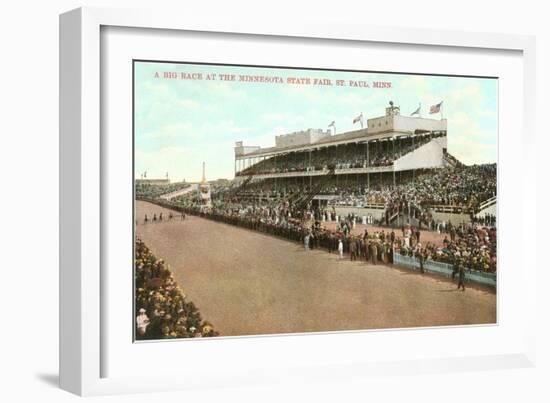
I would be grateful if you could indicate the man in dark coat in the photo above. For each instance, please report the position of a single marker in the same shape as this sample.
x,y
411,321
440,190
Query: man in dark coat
x,y
352,250
461,277
421,260
455,267
374,253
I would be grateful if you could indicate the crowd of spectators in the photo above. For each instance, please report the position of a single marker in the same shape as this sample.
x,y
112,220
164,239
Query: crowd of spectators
x,y
151,191
464,186
473,245
162,310
489,220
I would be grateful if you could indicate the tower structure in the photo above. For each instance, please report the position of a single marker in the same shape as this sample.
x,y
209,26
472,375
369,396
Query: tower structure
x,y
204,189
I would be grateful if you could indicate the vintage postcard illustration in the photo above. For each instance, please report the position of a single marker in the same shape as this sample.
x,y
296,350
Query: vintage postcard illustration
x,y
271,200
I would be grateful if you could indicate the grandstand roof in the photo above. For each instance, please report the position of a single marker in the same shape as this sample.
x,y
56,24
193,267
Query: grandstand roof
x,y
379,128
342,138
332,140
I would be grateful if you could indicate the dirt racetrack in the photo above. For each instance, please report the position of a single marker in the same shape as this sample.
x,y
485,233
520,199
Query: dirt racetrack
x,y
248,283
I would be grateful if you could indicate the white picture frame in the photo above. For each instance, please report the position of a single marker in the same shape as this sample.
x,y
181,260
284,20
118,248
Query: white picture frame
x,y
82,303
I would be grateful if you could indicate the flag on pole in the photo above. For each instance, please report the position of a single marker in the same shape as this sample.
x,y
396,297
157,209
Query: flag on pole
x,y
359,119
333,125
436,108
417,111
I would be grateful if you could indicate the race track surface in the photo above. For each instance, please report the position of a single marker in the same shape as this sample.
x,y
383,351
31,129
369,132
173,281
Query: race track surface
x,y
248,283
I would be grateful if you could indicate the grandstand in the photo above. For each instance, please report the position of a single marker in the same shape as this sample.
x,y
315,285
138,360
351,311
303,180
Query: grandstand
x,y
390,144
397,170
313,167
388,151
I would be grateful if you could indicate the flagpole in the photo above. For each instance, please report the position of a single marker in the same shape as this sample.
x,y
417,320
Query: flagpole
x,y
333,125
441,110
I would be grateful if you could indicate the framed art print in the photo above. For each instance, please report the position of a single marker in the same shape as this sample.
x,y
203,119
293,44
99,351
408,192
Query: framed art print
x,y
311,229
246,198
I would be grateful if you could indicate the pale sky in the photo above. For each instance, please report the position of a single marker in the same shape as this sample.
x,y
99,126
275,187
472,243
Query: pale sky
x,y
179,123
